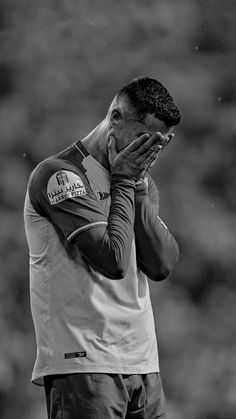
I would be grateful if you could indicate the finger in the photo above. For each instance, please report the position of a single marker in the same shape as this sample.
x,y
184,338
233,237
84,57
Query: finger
x,y
153,162
166,139
160,150
150,144
151,151
150,161
156,155
137,142
145,162
111,147
169,138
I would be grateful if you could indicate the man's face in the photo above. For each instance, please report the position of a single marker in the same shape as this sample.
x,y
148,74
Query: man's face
x,y
129,128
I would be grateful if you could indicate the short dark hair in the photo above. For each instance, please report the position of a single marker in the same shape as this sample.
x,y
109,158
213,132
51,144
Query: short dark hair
x,y
148,95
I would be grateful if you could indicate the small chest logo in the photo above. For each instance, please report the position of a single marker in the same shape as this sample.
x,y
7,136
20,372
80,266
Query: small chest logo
x,y
103,195
71,355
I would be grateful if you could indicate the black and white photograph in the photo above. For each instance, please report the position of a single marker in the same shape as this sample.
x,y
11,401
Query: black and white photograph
x,y
118,209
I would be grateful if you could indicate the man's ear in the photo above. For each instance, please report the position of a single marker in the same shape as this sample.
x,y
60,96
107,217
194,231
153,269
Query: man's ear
x,y
116,117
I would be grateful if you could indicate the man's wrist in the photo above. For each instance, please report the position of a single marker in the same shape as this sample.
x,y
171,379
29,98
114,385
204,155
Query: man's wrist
x,y
142,185
121,176
139,182
120,180
142,181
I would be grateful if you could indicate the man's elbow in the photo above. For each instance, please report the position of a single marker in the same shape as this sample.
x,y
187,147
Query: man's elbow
x,y
165,267
116,271
160,274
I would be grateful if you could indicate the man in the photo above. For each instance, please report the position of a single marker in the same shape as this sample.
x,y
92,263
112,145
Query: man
x,y
94,234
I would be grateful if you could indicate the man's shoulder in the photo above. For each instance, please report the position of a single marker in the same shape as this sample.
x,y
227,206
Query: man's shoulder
x,y
55,179
54,167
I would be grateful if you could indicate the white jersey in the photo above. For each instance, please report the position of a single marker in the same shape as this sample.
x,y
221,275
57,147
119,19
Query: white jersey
x,y
84,321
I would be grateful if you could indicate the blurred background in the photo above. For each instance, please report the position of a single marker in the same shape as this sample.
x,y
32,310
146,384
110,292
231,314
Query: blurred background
x,y
61,63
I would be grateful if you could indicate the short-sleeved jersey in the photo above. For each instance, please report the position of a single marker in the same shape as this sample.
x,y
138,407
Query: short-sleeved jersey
x,y
84,321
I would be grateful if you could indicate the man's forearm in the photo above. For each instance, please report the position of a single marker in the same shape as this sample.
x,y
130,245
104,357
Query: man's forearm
x,y
107,249
157,250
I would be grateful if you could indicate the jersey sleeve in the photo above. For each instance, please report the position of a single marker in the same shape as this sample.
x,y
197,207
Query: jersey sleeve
x,y
63,195
148,188
157,250
66,199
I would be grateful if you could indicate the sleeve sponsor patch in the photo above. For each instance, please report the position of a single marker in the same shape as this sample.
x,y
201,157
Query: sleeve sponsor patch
x,y
63,185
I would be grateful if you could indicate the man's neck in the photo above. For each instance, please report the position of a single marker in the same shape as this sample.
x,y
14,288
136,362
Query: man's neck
x,y
96,143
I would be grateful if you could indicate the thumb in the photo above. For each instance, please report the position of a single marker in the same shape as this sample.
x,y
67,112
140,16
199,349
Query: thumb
x,y
111,147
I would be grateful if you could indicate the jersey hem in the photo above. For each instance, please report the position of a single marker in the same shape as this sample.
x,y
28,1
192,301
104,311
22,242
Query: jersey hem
x,y
37,377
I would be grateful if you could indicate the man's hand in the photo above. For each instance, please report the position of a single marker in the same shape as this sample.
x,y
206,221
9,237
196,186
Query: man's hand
x,y
164,140
134,159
